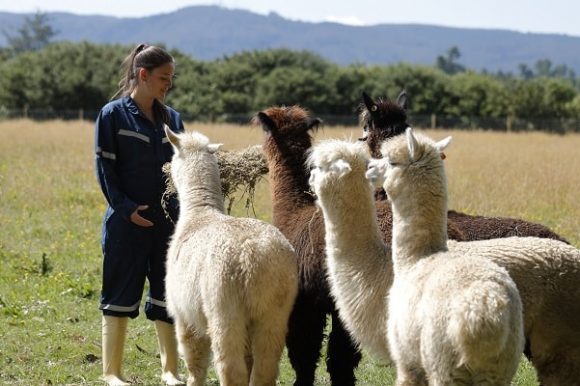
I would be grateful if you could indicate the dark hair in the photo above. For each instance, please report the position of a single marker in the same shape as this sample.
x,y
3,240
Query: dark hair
x,y
149,58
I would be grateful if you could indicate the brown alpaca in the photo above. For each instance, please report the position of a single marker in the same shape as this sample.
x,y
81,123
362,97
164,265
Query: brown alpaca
x,y
286,145
383,119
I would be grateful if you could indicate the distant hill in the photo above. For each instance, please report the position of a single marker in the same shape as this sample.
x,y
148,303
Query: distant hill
x,y
210,32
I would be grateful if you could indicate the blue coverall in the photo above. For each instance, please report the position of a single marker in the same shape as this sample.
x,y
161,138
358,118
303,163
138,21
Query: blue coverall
x,y
130,152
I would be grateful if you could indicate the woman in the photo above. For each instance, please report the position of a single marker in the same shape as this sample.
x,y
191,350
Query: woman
x,y
131,149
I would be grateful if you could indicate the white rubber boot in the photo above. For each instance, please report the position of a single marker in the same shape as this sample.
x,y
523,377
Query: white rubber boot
x,y
168,353
114,331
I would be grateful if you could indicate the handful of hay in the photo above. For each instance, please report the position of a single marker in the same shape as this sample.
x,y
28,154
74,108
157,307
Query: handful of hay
x,y
239,170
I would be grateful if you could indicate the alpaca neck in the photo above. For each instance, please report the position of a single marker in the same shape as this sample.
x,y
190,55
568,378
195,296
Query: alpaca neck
x,y
356,218
201,190
289,184
419,227
359,264
200,198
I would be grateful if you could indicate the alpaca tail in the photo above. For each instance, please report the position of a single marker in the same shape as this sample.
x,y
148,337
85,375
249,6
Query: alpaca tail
x,y
486,321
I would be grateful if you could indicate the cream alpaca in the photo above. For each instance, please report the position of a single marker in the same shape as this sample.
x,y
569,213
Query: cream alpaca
x,y
546,271
231,282
358,261
453,317
340,167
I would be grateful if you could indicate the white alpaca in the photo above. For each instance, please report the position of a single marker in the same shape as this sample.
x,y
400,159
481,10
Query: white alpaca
x,y
231,282
449,315
453,317
546,272
357,260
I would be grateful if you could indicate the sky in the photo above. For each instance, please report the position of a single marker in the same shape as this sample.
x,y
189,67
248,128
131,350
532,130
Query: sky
x,y
542,16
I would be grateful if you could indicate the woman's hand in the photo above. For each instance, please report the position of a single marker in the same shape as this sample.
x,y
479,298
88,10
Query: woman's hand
x,y
138,220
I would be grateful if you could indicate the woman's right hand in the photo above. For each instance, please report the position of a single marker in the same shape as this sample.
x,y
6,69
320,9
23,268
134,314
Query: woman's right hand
x,y
138,220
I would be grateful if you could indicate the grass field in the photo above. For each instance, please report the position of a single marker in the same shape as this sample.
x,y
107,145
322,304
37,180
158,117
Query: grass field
x,y
50,217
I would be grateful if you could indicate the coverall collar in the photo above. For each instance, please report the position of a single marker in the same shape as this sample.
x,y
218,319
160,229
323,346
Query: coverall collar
x,y
132,106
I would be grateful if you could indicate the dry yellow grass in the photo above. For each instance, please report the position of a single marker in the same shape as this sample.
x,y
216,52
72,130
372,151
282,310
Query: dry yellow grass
x,y
46,178
534,176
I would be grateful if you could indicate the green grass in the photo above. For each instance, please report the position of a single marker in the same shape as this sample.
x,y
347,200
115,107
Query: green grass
x,y
50,259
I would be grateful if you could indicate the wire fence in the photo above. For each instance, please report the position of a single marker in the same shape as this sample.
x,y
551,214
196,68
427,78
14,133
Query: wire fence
x,y
508,124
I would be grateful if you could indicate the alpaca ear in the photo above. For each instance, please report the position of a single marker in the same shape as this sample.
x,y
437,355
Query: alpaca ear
x,y
213,147
312,179
341,167
369,103
402,99
267,122
313,123
172,136
442,145
376,171
412,144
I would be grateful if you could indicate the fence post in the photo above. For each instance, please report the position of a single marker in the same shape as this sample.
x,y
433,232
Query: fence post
x,y
508,123
433,121
81,114
25,112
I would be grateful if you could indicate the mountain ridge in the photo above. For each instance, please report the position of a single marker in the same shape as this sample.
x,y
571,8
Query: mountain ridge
x,y
211,32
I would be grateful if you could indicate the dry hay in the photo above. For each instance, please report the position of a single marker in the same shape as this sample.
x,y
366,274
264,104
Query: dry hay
x,y
239,171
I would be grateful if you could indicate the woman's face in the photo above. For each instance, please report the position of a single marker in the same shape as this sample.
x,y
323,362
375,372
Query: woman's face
x,y
159,80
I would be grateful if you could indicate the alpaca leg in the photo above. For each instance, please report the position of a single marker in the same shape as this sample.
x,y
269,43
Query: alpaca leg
x,y
304,339
439,382
267,346
342,354
460,377
249,361
558,371
229,344
195,348
413,377
487,379
555,347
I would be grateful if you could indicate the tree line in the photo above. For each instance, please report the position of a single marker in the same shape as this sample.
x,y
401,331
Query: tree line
x,y
71,76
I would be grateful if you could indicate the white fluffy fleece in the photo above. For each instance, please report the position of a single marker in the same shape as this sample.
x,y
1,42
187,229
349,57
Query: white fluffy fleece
x,y
545,271
231,282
